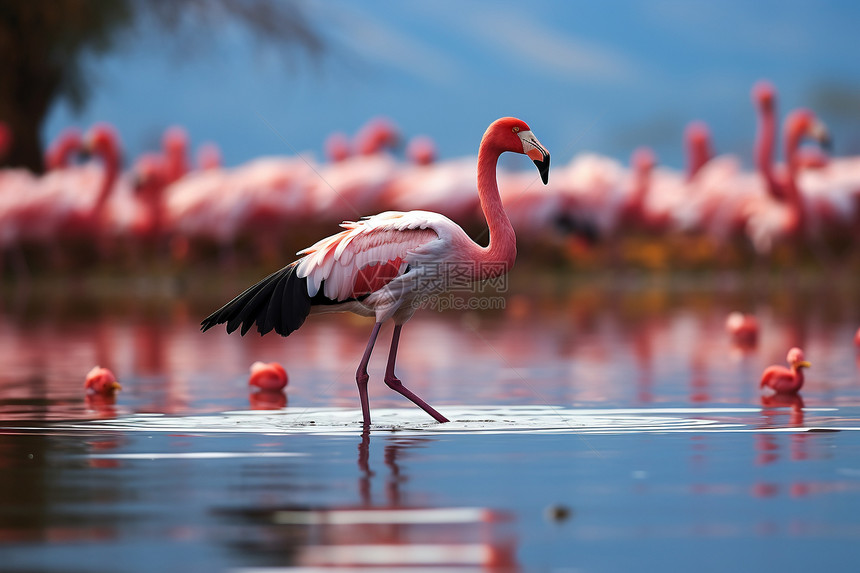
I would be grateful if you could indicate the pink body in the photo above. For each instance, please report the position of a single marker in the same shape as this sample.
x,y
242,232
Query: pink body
x,y
268,376
782,380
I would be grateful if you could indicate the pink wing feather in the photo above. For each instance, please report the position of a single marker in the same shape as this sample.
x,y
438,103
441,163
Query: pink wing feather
x,y
364,257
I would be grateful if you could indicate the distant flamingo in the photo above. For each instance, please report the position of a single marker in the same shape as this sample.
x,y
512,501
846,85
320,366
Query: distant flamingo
x,y
782,380
376,135
784,214
268,376
101,381
337,147
697,138
174,145
743,328
764,97
421,150
385,265
208,156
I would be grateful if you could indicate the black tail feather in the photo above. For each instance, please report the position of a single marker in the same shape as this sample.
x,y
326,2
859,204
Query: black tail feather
x,y
280,302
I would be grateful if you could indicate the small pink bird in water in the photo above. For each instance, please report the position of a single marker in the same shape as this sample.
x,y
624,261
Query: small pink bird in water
x,y
743,328
101,381
268,376
782,380
386,266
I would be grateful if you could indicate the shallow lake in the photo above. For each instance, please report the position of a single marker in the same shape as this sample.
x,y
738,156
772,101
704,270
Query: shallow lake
x,y
609,425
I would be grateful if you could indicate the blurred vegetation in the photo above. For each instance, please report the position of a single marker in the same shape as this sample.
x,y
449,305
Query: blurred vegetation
x,y
46,46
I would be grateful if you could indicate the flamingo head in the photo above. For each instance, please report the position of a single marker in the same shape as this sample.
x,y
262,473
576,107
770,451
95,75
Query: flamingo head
x,y
764,94
337,147
802,123
101,381
421,150
209,156
512,134
698,133
102,140
795,359
175,140
378,134
643,159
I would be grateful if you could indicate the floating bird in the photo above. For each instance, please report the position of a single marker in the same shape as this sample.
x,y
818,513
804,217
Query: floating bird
x,y
268,376
743,328
386,265
101,381
782,380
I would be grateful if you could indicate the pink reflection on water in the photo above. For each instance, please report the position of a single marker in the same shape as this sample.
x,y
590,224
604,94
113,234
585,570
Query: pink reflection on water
x,y
586,348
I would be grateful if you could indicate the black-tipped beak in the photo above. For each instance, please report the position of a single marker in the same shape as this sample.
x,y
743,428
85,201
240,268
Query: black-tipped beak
x,y
543,167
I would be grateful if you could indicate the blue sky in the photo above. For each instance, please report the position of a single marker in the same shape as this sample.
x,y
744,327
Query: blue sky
x,y
587,76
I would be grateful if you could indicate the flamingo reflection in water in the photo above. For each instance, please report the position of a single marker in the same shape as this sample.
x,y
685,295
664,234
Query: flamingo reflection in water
x,y
385,265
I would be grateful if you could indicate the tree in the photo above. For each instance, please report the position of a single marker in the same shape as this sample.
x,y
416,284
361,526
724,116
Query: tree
x,y
45,48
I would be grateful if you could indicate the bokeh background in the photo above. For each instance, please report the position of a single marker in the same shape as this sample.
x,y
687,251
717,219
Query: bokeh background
x,y
604,77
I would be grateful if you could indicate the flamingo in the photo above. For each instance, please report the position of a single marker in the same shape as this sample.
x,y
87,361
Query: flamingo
x,y
268,376
697,138
782,380
174,145
743,329
384,266
783,213
421,150
101,381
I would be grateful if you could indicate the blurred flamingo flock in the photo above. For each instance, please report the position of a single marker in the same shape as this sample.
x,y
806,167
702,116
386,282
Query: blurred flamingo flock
x,y
595,210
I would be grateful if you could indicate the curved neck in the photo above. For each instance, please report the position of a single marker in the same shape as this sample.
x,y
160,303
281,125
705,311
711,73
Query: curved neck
x,y
764,146
109,177
501,251
792,159
798,376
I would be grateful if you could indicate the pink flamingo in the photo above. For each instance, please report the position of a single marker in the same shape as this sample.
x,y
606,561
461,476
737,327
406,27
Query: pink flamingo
x,y
782,380
697,138
150,181
101,381
385,265
783,214
743,328
208,156
268,376
337,147
376,135
174,145
764,97
421,150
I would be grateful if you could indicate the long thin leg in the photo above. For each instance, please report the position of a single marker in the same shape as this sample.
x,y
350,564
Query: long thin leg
x,y
392,382
361,376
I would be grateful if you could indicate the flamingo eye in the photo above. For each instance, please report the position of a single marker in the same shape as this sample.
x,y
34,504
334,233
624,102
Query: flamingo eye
x,y
516,128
